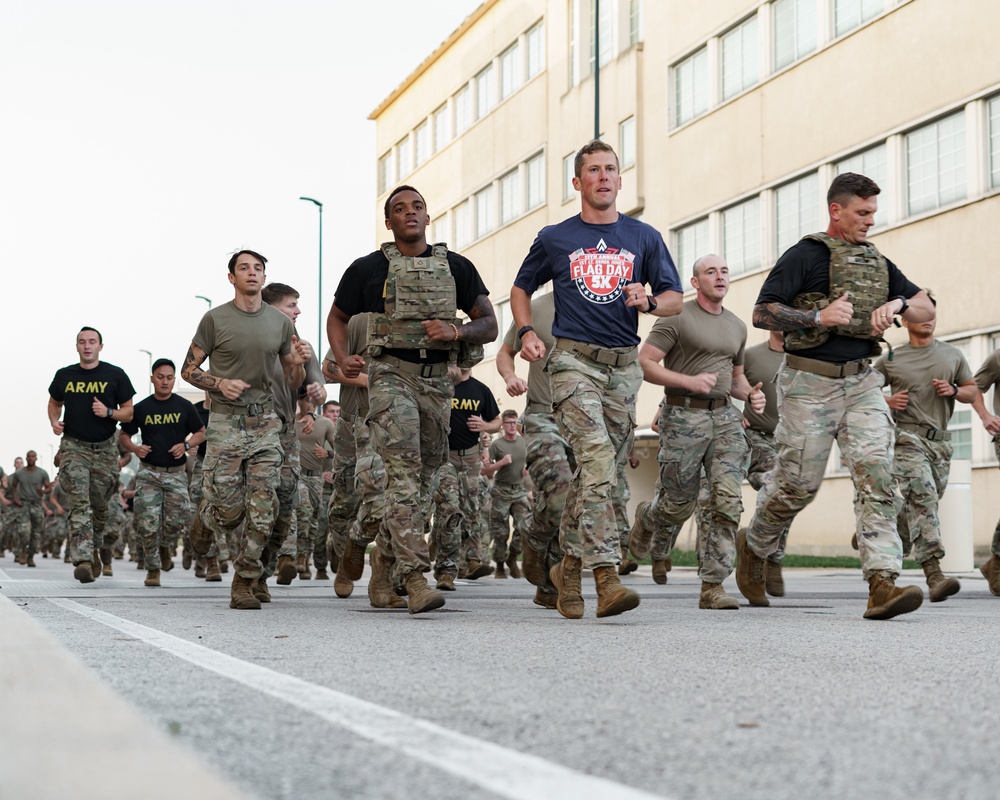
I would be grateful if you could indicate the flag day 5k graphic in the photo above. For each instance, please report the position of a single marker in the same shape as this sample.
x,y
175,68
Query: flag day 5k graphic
x,y
601,272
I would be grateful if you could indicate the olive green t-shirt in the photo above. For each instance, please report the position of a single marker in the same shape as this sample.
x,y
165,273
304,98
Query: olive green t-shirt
x,y
543,312
518,450
913,368
988,376
285,396
354,399
322,435
26,484
697,341
760,365
243,346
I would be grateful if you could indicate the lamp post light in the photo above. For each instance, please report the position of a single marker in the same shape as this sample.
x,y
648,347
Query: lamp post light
x,y
319,327
202,297
150,372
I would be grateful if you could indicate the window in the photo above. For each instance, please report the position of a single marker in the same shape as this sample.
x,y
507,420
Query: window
x,y
741,236
463,110
535,172
634,21
796,210
441,137
935,164
569,172
463,225
606,33
960,424
485,93
510,70
535,45
794,30
403,158
848,14
692,242
739,58
484,211
422,142
993,112
691,87
626,143
873,163
510,197
385,176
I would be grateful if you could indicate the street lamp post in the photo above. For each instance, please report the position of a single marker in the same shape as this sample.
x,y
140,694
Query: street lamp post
x,y
319,327
150,372
202,297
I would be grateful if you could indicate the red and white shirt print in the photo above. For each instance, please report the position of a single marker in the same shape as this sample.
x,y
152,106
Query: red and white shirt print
x,y
601,273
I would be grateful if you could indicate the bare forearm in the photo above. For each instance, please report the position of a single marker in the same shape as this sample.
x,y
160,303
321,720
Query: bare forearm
x,y
668,304
482,325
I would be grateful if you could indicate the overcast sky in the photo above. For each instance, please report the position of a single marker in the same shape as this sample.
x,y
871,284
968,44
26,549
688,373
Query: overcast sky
x,y
141,143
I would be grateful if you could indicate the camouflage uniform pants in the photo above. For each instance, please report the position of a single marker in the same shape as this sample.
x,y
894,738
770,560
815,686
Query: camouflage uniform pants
x,y
456,503
995,545
508,501
88,474
594,407
550,465
162,509
408,421
242,471
622,494
27,521
816,410
692,440
220,547
920,469
56,532
285,537
370,484
763,457
344,501
308,514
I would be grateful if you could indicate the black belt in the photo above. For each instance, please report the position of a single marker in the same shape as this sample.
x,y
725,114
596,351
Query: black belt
x,y
694,402
827,369
930,434
312,473
468,451
178,468
249,410
412,368
610,357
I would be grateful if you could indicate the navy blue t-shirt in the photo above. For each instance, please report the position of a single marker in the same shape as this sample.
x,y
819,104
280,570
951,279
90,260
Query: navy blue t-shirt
x,y
589,266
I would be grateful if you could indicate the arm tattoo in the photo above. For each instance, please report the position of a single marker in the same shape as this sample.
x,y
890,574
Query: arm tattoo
x,y
779,317
482,325
192,374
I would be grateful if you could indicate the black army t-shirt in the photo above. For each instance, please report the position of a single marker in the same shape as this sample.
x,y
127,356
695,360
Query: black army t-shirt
x,y
77,387
472,397
163,423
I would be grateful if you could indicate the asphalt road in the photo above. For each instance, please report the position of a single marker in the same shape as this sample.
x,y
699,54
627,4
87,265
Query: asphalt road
x,y
317,697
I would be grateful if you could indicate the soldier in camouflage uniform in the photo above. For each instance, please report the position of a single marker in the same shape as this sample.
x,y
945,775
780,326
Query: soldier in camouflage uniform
x,y
242,468
599,263
413,292
987,378
314,446
698,357
508,495
55,504
29,485
834,295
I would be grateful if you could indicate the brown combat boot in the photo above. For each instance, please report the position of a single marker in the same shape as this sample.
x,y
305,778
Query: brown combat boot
x,y
31,563
343,586
186,557
545,599
84,572
352,561
500,572
286,570
446,583
751,572
95,565
322,574
886,600
533,566
199,567
612,597
166,562
380,593
259,588
421,596
223,567
152,578
240,596
774,582
212,571
628,565
515,570
639,538
991,571
201,536
714,597
302,567
477,569
565,577
107,558
660,572
938,586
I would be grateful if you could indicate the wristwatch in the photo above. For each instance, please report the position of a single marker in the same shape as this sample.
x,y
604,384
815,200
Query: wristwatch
x,y
111,412
902,308
523,331
187,445
652,304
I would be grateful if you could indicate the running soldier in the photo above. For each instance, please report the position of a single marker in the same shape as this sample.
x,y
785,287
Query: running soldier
x,y
313,452
508,497
987,378
29,485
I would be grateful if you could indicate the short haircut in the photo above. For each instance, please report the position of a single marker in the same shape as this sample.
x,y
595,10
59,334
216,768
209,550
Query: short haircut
x,y
236,257
595,146
273,293
848,185
397,190
330,403
162,362
88,328
510,413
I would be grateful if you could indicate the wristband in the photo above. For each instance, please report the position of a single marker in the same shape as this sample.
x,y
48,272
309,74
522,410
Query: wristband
x,y
523,331
454,327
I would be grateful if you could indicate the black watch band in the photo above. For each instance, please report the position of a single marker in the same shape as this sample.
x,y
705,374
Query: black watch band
x,y
902,308
523,331
652,304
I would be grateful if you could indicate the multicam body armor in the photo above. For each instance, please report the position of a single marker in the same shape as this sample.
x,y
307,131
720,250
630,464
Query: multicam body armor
x,y
418,289
861,271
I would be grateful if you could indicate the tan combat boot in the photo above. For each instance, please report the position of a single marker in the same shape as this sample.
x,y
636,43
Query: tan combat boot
x,y
714,597
886,600
533,566
107,558
83,572
477,569
322,574
286,570
343,586
201,536
152,578
352,561
380,593
565,577
639,538
938,586
421,596
515,570
545,598
258,588
751,572
302,567
774,582
446,583
199,567
212,571
31,563
660,572
991,571
500,573
166,562
612,597
240,595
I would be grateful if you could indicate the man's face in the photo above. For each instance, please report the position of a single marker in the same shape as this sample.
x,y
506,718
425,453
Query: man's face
x,y
599,181
32,458
88,345
332,413
711,279
163,382
289,306
18,463
408,217
510,427
855,218
248,275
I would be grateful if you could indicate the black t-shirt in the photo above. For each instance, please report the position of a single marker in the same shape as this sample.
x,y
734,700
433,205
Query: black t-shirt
x,y
77,387
203,414
805,267
164,423
362,288
472,397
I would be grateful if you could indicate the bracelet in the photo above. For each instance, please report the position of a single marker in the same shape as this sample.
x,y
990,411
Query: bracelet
x,y
454,327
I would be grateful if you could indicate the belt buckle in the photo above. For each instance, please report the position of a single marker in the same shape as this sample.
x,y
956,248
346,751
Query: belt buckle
x,y
426,370
254,409
932,434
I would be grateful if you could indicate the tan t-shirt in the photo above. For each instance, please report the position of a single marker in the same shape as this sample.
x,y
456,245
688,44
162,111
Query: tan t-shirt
x,y
518,450
697,341
760,365
244,346
543,312
285,396
354,399
322,435
988,376
913,368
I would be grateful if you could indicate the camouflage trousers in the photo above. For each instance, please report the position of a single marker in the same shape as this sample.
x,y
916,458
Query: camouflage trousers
x,y
408,421
622,494
594,407
55,532
342,507
815,411
162,509
508,501
995,544
693,440
920,469
242,470
88,474
763,456
27,521
285,538
308,514
550,465
456,505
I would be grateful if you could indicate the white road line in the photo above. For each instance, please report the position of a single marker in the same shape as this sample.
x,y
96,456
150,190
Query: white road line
x,y
500,771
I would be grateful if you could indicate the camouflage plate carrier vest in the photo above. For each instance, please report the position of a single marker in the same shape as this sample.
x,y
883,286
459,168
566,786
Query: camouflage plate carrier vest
x,y
862,272
418,289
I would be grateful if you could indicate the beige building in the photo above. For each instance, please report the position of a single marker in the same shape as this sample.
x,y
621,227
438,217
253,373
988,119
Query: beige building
x,y
730,118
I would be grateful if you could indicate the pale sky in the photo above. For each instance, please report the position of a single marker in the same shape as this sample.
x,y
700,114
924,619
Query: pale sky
x,y
141,143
